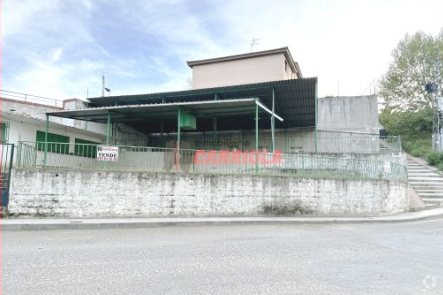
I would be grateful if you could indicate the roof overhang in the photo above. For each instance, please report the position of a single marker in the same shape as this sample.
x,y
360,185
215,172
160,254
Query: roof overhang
x,y
161,111
294,100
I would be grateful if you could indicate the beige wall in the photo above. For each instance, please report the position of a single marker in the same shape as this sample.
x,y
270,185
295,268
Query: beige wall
x,y
242,71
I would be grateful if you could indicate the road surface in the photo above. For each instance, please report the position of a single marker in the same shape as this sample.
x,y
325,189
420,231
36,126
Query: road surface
x,y
395,258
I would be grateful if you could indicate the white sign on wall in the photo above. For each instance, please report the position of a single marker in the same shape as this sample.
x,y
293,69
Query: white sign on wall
x,y
387,167
107,153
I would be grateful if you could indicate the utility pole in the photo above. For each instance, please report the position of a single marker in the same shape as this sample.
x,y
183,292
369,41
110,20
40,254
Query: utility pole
x,y
437,105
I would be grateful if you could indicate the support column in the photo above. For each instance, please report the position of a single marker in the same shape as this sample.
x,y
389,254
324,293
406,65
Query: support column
x,y
162,129
273,120
256,127
316,120
108,129
214,128
177,150
214,132
46,141
256,137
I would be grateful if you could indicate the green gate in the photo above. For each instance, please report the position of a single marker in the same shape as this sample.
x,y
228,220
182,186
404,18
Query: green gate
x,y
7,156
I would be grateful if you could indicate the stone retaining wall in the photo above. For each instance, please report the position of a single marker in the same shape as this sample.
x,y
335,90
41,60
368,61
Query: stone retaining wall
x,y
62,193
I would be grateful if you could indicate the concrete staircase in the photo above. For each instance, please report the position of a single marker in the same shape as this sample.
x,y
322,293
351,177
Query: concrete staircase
x,y
426,181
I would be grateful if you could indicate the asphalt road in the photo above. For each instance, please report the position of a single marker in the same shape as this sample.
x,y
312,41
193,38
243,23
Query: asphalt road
x,y
398,258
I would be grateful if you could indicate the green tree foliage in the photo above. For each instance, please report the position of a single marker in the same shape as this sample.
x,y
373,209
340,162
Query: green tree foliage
x,y
403,86
409,123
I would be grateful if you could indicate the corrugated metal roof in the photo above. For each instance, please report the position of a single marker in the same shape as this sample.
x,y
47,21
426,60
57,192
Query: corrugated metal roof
x,y
294,101
156,111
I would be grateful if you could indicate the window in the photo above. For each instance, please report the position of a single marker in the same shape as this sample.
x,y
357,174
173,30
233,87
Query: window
x,y
85,148
56,143
5,132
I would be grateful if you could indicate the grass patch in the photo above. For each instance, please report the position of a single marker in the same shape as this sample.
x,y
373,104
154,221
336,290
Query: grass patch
x,y
421,147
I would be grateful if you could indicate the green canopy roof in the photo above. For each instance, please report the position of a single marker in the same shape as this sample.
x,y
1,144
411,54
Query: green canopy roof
x,y
295,101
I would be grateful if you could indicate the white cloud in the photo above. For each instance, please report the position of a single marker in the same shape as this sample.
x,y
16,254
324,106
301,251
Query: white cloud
x,y
57,54
61,48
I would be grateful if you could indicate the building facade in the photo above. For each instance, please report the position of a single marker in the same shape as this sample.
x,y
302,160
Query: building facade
x,y
254,67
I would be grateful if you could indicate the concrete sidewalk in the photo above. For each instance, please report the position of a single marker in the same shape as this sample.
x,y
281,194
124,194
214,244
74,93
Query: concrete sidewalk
x,y
53,223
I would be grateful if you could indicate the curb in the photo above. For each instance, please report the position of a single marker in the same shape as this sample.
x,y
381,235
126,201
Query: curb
x,y
89,224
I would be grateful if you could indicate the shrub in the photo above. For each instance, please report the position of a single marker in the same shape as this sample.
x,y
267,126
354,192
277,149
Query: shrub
x,y
435,159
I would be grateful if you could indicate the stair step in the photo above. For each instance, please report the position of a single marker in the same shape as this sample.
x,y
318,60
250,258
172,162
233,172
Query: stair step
x,y
413,177
427,188
428,184
432,201
424,173
437,197
429,191
438,179
420,170
425,207
427,181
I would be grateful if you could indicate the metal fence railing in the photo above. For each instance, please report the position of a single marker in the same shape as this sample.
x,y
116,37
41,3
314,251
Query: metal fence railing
x,y
31,98
137,158
287,141
358,143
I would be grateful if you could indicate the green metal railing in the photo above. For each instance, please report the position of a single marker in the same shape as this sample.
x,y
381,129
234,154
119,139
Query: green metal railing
x,y
332,142
153,159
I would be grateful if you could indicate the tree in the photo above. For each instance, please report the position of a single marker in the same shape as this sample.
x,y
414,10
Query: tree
x,y
403,86
407,123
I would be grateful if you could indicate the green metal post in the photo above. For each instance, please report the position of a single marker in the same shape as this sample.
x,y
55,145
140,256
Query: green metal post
x,y
256,136
214,128
108,129
273,120
214,132
46,141
286,142
178,127
178,139
256,127
316,118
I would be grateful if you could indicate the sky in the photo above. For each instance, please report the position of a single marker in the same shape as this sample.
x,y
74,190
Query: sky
x,y
61,48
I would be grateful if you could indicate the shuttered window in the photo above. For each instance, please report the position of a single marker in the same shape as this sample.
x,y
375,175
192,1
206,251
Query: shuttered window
x,y
56,143
5,132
